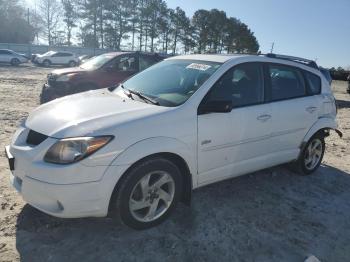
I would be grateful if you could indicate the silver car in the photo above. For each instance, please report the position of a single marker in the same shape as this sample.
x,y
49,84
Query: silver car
x,y
11,57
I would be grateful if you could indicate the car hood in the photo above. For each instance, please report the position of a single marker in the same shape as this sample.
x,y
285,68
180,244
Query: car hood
x,y
65,71
88,113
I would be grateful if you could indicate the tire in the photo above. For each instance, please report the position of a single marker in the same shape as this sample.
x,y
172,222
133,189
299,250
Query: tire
x,y
72,64
140,204
306,163
47,63
15,62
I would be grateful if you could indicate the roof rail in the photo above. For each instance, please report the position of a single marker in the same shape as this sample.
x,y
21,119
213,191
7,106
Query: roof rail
x,y
300,60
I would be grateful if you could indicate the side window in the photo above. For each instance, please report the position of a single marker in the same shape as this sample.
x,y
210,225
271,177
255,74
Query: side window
x,y
66,54
56,55
146,61
5,52
286,82
126,63
243,84
313,83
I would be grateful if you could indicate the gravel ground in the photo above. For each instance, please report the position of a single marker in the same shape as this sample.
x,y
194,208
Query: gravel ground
x,y
271,215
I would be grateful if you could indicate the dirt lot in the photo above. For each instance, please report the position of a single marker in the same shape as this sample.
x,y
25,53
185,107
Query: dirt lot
x,y
272,215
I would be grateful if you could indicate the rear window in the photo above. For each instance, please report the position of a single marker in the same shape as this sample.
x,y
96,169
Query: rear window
x,y
286,82
314,83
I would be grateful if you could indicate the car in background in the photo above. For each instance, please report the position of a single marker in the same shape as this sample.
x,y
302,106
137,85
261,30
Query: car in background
x,y
57,58
11,57
84,58
99,72
325,72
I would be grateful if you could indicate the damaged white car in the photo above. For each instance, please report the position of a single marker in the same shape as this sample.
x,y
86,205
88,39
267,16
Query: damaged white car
x,y
136,150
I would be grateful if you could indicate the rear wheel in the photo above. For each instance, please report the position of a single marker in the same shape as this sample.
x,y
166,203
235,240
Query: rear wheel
x,y
311,156
148,193
15,62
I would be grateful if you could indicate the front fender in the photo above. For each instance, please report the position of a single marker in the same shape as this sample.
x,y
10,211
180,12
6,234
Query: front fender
x,y
140,150
157,145
321,124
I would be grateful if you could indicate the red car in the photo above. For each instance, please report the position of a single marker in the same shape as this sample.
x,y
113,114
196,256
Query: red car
x,y
99,72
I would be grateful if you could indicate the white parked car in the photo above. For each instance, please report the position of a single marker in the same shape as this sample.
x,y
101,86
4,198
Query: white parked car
x,y
181,124
57,58
11,57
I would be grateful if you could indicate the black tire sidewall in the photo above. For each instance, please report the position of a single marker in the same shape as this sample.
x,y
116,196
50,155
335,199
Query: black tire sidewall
x,y
46,63
132,177
15,62
302,165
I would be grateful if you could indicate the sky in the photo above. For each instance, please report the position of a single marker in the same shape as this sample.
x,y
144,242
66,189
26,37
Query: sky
x,y
313,29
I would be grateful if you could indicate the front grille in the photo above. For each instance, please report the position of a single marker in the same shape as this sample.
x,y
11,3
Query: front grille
x,y
35,138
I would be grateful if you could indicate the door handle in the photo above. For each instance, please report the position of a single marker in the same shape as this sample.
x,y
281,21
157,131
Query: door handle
x,y
311,109
263,118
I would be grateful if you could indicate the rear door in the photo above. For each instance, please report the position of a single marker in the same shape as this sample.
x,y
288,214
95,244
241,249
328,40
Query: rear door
x,y
234,143
65,58
294,109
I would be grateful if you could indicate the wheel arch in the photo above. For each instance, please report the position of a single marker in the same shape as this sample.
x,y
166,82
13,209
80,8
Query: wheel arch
x,y
321,127
323,124
155,148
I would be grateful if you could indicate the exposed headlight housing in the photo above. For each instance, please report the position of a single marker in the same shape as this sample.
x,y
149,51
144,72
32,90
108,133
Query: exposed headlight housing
x,y
71,150
64,78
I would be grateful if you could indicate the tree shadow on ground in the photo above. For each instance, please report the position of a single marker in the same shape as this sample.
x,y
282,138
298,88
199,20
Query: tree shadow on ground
x,y
270,215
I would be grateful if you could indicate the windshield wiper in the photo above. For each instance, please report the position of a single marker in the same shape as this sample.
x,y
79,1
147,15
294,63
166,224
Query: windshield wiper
x,y
140,95
126,92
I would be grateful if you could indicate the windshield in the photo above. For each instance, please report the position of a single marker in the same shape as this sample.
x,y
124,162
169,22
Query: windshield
x,y
49,53
172,82
97,62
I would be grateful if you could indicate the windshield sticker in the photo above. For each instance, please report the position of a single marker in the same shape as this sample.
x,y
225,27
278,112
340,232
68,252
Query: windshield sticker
x,y
201,67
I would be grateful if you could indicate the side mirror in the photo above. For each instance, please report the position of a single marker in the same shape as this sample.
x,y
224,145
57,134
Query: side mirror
x,y
223,106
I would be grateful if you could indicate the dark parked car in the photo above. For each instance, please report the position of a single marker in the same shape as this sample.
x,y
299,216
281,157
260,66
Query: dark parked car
x,y
99,72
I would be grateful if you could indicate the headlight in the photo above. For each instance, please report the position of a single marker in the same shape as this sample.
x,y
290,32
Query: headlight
x,y
64,78
70,150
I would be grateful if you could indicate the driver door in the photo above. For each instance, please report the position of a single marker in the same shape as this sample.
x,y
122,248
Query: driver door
x,y
233,143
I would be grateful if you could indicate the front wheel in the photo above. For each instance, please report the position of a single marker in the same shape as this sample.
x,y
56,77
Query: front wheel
x,y
47,63
15,62
311,156
148,193
72,64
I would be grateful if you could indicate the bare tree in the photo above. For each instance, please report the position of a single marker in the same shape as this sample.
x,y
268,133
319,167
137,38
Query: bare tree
x,y
50,12
70,17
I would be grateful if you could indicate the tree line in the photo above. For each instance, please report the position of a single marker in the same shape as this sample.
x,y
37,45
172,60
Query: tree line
x,y
339,73
145,25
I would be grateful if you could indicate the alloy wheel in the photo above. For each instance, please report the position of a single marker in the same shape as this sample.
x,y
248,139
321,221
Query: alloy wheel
x,y
313,154
152,196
